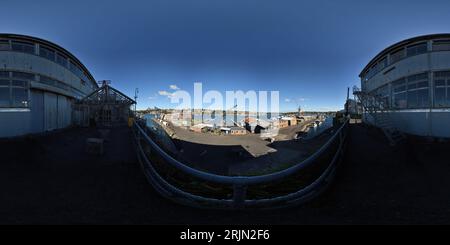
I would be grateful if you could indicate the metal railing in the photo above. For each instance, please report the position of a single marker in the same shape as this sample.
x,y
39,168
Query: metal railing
x,y
239,183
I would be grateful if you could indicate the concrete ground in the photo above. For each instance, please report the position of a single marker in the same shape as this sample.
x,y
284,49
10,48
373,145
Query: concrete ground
x,y
50,180
243,155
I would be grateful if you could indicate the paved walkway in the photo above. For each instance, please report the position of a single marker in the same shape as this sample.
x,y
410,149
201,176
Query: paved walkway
x,y
51,180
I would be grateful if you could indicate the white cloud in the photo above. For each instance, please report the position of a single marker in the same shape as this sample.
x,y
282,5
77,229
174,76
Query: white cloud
x,y
165,93
287,100
174,87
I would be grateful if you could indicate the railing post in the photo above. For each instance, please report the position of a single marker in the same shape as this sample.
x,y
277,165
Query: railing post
x,y
239,195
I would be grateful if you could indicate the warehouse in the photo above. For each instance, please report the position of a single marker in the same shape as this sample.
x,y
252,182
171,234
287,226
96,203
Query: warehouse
x,y
39,83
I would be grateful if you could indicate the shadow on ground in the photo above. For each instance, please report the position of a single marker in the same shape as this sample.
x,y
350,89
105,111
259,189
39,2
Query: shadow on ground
x,y
50,180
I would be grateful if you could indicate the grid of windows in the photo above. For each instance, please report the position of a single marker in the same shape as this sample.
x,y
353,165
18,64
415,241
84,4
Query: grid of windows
x,y
15,86
442,89
14,93
45,52
418,91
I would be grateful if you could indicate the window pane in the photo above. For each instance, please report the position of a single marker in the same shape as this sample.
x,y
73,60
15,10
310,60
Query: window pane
x,y
23,75
417,77
441,45
23,47
448,97
4,96
19,97
4,74
422,84
47,53
48,81
399,85
62,60
442,74
422,98
400,100
416,49
4,82
439,82
22,84
412,85
412,99
397,55
62,85
439,97
4,45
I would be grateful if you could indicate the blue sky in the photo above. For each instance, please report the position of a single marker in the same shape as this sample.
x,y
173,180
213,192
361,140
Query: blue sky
x,y
310,51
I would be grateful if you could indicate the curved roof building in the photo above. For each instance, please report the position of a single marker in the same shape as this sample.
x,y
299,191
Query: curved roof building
x,y
39,82
407,86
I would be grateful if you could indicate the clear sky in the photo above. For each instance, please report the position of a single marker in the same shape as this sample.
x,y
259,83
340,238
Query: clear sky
x,y
310,51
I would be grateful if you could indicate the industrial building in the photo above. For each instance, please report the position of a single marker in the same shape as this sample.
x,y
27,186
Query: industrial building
x,y
39,83
406,88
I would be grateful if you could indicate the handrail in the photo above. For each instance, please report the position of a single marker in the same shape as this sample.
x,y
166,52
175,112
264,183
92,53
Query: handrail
x,y
239,180
239,183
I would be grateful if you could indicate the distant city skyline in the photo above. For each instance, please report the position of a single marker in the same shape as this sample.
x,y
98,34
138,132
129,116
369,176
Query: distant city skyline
x,y
308,51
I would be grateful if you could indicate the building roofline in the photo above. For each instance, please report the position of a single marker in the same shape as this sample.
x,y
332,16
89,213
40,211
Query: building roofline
x,y
53,45
402,43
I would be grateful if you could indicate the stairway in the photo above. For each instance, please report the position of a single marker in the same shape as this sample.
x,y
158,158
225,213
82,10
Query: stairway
x,y
374,106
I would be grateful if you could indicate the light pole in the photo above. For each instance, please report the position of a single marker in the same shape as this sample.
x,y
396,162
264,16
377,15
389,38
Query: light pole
x,y
136,91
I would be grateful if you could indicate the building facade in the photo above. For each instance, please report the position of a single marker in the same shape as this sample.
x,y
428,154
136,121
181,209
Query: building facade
x,y
412,80
39,82
238,131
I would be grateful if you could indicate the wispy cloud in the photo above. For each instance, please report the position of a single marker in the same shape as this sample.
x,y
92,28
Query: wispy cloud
x,y
165,93
153,97
174,87
295,100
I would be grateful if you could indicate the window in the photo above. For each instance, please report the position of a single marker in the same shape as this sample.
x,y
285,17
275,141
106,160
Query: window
x,y
399,93
61,59
14,93
4,45
25,47
46,53
416,49
47,80
4,74
75,69
441,45
418,93
19,94
4,93
23,75
442,89
62,85
397,55
383,94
